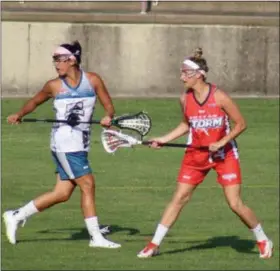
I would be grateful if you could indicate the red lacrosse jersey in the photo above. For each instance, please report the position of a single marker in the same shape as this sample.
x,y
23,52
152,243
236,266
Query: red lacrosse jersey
x,y
208,124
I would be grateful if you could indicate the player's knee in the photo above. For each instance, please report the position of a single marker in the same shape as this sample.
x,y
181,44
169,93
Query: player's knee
x,y
87,185
182,198
235,205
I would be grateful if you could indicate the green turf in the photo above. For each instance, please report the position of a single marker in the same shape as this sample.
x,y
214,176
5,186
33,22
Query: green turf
x,y
133,187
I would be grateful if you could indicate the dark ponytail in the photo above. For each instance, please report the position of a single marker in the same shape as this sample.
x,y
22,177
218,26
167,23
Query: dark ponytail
x,y
75,48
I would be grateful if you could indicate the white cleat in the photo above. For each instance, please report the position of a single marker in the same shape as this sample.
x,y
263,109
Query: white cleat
x,y
11,224
149,251
265,249
103,243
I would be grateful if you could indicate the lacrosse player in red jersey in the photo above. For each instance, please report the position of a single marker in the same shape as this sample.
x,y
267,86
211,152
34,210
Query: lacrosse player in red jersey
x,y
206,114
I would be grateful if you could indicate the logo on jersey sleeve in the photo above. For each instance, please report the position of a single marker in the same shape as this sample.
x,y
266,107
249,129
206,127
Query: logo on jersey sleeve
x,y
63,91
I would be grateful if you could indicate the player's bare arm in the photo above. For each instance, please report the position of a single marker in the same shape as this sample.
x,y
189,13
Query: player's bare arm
x,y
183,127
231,108
179,131
104,98
41,97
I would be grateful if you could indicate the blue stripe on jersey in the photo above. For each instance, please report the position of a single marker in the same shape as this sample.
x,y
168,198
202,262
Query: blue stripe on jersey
x,y
75,94
83,90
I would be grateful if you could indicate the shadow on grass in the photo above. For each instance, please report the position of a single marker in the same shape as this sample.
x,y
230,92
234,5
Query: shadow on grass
x,y
79,233
240,245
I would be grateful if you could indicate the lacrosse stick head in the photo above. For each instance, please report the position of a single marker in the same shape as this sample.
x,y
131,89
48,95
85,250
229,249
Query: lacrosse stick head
x,y
139,122
112,140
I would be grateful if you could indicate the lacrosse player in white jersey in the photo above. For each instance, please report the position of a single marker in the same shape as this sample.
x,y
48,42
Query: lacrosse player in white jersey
x,y
74,92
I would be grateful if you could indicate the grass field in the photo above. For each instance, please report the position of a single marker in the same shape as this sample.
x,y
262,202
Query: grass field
x,y
133,187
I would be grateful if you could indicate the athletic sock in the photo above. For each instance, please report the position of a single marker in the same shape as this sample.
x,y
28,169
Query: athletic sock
x,y
93,228
259,233
161,231
26,211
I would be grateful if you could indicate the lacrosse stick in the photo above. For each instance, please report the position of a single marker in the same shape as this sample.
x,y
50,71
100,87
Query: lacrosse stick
x,y
113,140
139,122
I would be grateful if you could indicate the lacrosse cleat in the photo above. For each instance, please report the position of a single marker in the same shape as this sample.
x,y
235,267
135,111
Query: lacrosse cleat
x,y
265,249
104,243
149,251
11,224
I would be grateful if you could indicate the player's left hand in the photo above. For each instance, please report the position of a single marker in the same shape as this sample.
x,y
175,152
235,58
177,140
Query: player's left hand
x,y
106,121
213,147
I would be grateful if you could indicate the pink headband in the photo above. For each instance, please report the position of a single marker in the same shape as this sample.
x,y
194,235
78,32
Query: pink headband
x,y
194,66
63,51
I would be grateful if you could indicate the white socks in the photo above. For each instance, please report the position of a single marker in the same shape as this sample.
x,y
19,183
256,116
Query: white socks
x,y
259,233
93,227
161,231
26,211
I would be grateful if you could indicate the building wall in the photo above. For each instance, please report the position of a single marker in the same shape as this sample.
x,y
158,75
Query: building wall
x,y
137,60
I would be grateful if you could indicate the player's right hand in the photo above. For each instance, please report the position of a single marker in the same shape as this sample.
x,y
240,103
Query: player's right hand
x,y
156,142
14,119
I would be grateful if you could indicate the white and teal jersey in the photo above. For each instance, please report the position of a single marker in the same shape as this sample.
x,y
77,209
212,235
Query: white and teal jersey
x,y
81,101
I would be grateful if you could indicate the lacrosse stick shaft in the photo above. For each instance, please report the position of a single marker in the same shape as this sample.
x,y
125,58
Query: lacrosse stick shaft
x,y
43,120
60,121
139,122
177,145
65,121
